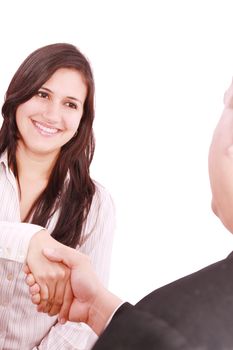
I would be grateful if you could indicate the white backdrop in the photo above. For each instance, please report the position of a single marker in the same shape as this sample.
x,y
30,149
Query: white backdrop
x,y
160,68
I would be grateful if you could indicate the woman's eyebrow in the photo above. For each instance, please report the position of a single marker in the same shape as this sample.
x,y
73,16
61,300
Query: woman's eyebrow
x,y
70,97
74,98
44,88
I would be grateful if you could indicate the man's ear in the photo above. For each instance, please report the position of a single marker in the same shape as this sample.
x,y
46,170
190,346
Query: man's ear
x,y
228,96
214,207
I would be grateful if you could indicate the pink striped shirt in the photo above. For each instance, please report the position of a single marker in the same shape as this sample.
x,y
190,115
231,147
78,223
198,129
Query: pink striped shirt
x,y
21,326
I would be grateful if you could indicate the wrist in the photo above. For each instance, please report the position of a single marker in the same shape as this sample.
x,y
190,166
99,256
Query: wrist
x,y
102,309
43,239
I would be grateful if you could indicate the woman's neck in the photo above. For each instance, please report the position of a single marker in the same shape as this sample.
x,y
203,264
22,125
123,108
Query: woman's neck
x,y
34,166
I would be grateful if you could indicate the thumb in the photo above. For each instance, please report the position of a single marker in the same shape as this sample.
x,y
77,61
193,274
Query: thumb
x,y
67,256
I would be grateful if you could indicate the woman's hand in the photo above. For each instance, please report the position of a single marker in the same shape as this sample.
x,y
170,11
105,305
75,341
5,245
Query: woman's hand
x,y
53,293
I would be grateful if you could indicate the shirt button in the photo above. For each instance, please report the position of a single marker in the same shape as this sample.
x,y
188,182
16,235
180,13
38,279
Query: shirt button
x,y
10,277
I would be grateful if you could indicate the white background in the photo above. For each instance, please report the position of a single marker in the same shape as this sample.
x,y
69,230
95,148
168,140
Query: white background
x,y
161,68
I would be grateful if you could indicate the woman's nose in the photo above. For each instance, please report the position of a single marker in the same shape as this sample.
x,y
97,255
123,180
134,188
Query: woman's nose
x,y
52,113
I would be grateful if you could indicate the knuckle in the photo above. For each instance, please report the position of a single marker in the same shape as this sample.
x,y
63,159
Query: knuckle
x,y
67,272
43,300
63,273
52,313
51,275
50,302
58,302
60,273
35,299
68,299
39,277
68,302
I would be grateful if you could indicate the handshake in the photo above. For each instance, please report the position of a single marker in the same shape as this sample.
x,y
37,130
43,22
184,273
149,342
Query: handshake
x,y
188,314
62,282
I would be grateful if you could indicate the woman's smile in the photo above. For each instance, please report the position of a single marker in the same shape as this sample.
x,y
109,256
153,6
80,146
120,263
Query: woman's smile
x,y
45,130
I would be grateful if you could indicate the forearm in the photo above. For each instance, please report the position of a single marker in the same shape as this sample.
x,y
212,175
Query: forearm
x,y
102,309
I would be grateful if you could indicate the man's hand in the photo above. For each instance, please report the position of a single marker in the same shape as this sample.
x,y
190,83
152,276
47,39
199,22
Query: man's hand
x,y
92,303
85,284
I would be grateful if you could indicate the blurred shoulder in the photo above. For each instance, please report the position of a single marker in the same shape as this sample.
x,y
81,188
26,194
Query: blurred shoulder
x,y
101,218
102,195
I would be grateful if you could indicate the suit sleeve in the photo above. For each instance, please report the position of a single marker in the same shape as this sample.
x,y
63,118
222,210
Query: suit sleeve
x,y
131,328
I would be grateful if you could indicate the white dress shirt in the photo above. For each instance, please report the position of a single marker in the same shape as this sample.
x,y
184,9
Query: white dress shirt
x,y
21,326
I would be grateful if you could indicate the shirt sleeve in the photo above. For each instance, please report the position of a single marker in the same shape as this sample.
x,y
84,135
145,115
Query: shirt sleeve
x,y
99,233
15,238
119,307
97,240
71,336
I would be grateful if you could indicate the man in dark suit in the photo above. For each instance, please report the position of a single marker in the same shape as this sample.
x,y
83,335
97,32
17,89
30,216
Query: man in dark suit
x,y
192,313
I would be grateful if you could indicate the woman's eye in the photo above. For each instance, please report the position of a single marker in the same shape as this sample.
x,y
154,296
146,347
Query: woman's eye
x,y
72,105
42,94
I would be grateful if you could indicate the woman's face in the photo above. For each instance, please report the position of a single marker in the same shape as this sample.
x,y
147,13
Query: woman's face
x,y
51,117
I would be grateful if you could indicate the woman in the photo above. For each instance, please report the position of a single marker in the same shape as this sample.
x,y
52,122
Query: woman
x,y
46,147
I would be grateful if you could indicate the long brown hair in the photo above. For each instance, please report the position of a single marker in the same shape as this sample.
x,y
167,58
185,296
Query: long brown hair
x,y
72,197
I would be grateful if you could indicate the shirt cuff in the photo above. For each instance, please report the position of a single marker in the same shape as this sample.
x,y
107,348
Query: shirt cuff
x,y
15,238
110,318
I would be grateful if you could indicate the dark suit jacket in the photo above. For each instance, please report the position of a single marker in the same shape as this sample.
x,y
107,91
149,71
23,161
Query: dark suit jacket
x,y
192,313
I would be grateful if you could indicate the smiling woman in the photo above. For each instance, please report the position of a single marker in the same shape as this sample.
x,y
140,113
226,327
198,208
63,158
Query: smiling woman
x,y
48,196
53,112
47,121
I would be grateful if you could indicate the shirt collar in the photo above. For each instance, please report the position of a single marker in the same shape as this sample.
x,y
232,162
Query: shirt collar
x,y
4,160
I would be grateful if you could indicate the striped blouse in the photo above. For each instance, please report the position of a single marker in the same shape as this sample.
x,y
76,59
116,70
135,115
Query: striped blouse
x,y
21,326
